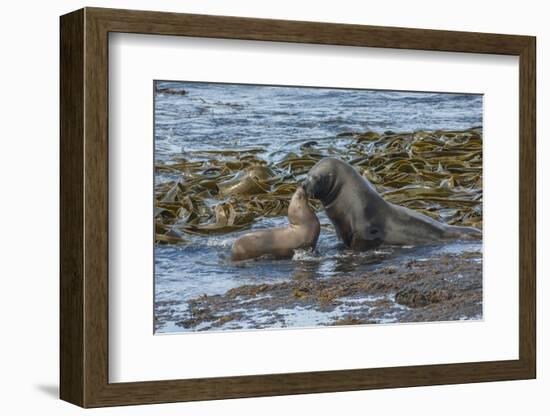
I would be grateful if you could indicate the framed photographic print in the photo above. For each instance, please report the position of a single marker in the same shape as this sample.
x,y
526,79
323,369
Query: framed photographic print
x,y
255,207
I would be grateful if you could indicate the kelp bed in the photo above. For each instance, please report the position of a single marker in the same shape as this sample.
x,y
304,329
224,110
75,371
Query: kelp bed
x,y
221,191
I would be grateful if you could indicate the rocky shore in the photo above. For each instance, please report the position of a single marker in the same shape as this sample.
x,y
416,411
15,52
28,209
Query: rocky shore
x,y
447,287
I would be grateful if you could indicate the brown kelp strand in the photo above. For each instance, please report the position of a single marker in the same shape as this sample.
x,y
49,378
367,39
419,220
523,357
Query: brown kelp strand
x,y
438,173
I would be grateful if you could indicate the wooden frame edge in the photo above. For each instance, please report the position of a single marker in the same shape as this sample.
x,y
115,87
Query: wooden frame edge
x,y
84,207
72,367
169,391
528,207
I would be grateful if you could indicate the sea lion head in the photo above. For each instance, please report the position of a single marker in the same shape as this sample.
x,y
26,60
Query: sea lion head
x,y
321,181
299,211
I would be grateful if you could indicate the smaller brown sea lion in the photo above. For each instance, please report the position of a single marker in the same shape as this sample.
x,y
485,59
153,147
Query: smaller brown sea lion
x,y
302,233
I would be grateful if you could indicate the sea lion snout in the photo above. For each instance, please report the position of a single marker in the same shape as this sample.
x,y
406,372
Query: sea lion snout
x,y
321,178
301,192
305,185
298,206
311,187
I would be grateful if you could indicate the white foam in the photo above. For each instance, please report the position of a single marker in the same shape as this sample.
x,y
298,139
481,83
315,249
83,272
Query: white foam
x,y
305,255
219,242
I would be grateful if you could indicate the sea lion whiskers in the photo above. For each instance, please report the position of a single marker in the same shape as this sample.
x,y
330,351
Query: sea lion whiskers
x,y
322,188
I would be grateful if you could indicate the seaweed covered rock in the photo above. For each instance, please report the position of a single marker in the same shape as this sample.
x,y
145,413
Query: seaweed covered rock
x,y
415,298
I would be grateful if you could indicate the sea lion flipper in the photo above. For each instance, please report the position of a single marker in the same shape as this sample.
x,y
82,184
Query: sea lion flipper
x,y
366,238
464,233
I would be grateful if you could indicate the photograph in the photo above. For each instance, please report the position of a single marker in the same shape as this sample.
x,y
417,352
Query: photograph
x,y
298,207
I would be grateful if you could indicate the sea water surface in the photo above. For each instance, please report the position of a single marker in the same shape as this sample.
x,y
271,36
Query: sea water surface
x,y
279,119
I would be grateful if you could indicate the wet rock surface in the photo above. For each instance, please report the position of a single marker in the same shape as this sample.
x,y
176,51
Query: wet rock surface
x,y
446,287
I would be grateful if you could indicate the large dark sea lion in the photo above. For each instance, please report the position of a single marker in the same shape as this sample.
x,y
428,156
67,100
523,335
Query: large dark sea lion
x,y
301,233
363,219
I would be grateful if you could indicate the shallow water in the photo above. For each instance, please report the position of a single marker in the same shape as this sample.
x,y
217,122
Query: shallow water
x,y
184,272
221,116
